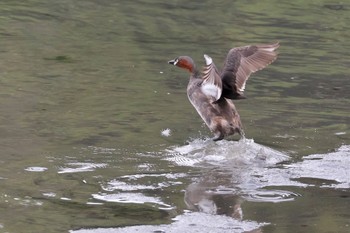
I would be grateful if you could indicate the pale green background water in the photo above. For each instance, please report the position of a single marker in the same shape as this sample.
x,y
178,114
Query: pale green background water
x,y
77,77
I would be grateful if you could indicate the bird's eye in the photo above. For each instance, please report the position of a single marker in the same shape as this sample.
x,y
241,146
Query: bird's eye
x,y
176,61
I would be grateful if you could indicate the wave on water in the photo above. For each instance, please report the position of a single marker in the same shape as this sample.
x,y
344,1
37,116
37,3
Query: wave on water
x,y
332,169
189,222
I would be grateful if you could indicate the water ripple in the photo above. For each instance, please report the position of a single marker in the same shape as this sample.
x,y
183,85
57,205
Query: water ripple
x,y
81,167
273,196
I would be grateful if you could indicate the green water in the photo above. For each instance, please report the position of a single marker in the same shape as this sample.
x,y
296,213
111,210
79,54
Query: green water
x,y
88,81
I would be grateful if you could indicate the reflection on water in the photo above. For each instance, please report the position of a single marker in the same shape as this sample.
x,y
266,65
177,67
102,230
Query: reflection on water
x,y
95,125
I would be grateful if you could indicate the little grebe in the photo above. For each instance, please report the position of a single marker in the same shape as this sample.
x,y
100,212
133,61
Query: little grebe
x,y
209,92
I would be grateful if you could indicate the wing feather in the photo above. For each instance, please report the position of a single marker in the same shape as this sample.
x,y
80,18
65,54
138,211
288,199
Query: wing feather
x,y
241,62
212,84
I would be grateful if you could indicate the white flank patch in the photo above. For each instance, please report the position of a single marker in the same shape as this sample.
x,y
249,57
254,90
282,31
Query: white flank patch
x,y
210,89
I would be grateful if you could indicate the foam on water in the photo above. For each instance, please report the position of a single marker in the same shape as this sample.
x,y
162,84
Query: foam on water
x,y
35,169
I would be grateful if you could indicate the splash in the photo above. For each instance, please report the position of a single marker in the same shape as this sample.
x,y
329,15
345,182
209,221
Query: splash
x,y
244,151
251,171
166,132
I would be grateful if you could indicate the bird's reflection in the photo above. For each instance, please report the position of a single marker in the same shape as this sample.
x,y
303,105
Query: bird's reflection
x,y
214,193
210,195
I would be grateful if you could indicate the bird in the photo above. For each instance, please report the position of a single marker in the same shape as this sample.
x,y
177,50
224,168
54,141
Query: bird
x,y
211,91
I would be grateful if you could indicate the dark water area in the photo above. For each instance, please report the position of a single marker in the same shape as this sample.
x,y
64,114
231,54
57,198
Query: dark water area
x,y
97,134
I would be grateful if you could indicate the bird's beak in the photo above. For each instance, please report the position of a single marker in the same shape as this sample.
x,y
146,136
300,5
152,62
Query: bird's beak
x,y
172,62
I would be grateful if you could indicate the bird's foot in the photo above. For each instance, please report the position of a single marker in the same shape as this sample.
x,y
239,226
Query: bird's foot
x,y
218,137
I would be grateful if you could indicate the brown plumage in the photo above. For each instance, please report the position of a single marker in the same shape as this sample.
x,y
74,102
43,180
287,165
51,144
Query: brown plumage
x,y
210,92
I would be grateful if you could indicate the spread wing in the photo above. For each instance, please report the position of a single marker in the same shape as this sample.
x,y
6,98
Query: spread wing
x,y
240,63
212,84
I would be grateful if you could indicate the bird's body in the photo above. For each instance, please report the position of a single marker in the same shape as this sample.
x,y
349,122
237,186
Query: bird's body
x,y
211,91
221,117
